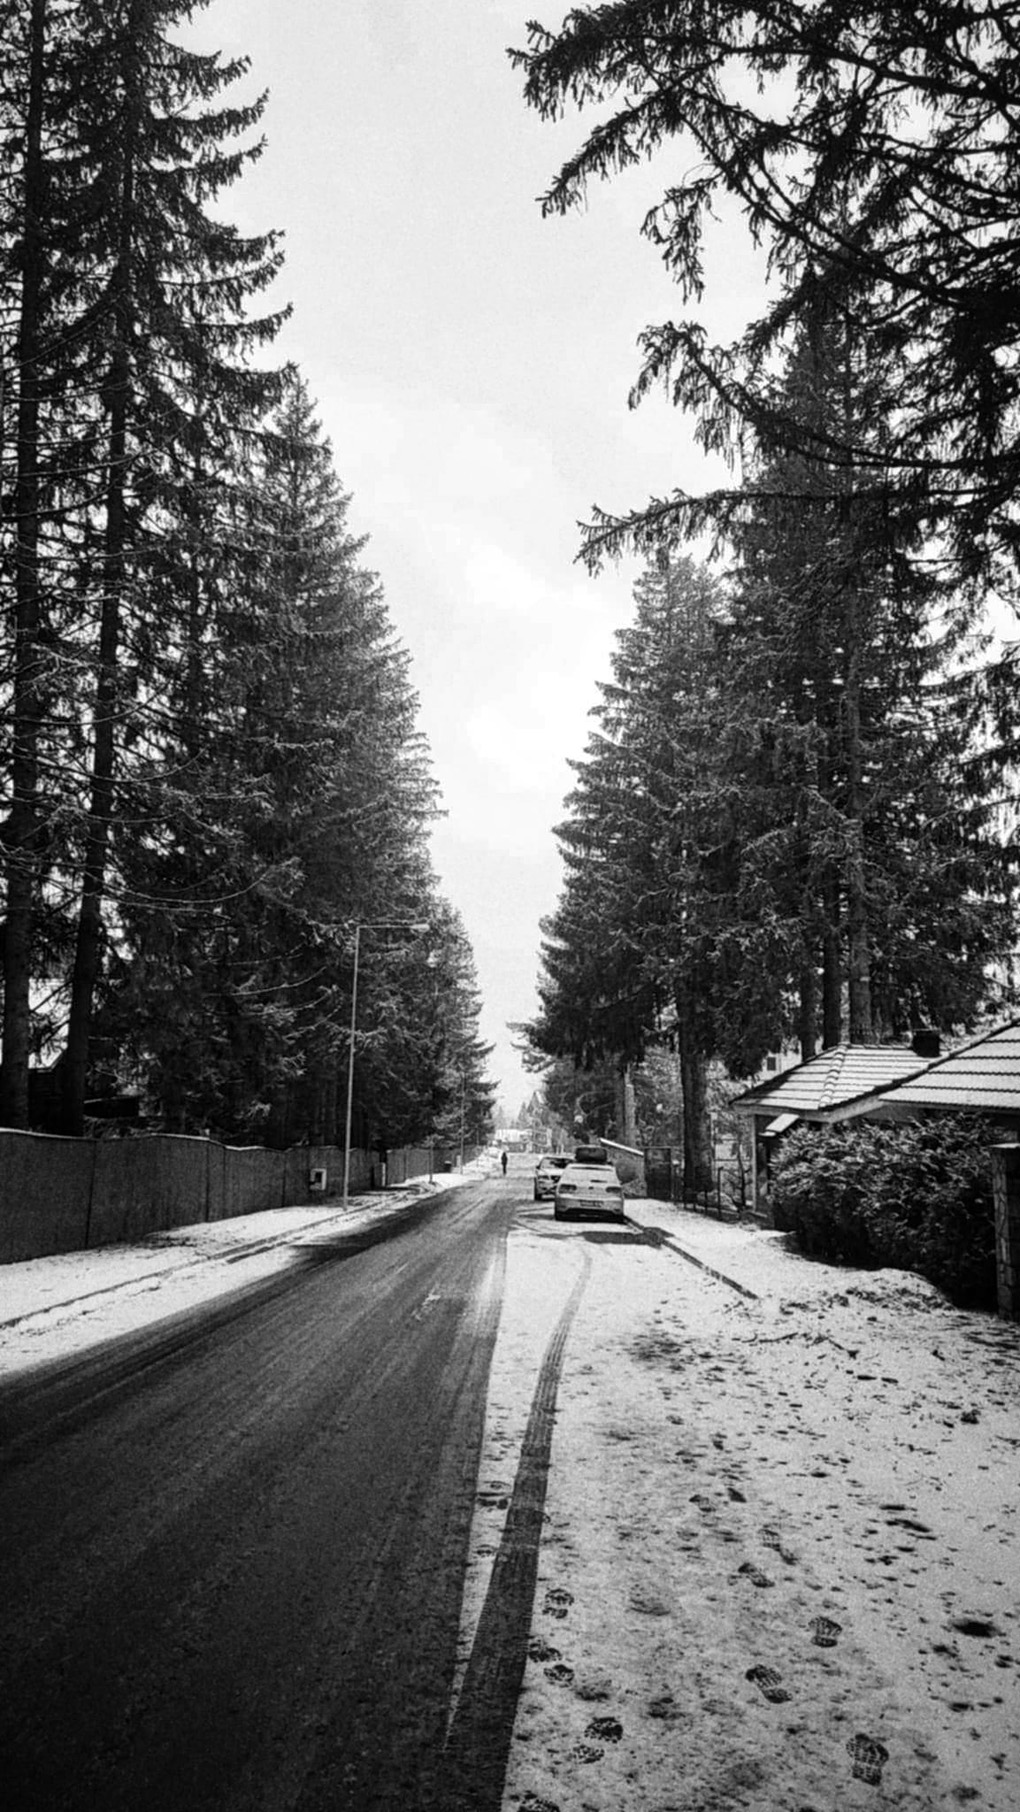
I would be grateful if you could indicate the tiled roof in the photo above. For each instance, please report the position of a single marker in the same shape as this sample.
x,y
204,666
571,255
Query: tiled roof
x,y
835,1076
983,1076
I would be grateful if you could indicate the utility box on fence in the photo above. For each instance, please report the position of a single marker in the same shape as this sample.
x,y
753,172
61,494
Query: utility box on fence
x,y
317,1181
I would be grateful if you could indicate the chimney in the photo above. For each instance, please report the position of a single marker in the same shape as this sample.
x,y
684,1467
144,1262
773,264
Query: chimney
x,y
926,1043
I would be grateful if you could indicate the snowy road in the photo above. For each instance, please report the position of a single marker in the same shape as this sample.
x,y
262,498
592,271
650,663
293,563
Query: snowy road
x,y
235,1542
743,1529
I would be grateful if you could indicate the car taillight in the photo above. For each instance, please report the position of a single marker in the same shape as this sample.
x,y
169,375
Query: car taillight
x,y
567,1188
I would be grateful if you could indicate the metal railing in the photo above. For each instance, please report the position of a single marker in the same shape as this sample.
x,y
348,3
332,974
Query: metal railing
x,y
726,1197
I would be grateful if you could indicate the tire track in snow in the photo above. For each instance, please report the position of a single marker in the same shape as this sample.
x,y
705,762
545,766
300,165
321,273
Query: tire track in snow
x,y
478,1741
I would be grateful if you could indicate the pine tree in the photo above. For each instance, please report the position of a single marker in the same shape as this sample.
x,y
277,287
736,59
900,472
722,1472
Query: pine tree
x,y
630,952
304,812
843,636
41,206
174,343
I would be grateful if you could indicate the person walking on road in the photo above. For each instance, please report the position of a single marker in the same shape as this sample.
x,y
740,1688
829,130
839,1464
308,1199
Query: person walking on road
x,y
502,1159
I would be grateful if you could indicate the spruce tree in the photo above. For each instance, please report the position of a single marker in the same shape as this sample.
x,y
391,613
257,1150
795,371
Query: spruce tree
x,y
174,342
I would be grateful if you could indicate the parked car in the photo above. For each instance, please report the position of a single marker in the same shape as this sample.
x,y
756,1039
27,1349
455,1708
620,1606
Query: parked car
x,y
588,1189
547,1172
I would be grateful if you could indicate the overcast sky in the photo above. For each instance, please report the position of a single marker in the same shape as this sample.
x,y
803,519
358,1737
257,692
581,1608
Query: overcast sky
x,y
471,363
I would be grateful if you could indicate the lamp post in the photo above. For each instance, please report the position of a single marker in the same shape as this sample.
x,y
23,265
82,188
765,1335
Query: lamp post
x,y
360,926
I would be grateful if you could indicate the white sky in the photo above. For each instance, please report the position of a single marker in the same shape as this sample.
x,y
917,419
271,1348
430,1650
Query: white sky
x,y
471,364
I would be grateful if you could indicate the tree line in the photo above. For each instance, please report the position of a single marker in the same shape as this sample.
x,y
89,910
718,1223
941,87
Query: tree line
x,y
795,818
213,771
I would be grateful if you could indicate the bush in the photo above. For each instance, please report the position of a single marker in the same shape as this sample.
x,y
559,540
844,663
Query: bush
x,y
917,1196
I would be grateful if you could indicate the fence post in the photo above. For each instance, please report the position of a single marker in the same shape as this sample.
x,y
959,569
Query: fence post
x,y
1006,1193
92,1189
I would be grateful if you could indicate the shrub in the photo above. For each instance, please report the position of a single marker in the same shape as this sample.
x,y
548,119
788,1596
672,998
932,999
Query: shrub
x,y
916,1195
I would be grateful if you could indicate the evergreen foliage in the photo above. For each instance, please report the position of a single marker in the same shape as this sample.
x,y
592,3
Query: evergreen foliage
x,y
871,146
841,853
215,771
870,829
917,1197
779,806
628,954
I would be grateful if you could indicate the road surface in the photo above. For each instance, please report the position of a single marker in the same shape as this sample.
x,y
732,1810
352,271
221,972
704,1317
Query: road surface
x,y
235,1544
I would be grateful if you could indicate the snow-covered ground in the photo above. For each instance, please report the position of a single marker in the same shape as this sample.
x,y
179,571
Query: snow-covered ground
x,y
780,1561
779,1567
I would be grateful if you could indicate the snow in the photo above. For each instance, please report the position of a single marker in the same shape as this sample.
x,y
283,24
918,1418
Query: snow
x,y
786,1523
781,1515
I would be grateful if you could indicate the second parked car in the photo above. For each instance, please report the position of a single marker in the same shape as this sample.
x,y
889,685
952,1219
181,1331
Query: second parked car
x,y
588,1189
547,1174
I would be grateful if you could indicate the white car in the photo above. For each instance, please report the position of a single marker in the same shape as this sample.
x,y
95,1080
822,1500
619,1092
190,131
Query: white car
x,y
588,1189
547,1175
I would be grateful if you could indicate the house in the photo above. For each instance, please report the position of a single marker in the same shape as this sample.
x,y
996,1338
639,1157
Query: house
x,y
885,1082
982,1077
824,1088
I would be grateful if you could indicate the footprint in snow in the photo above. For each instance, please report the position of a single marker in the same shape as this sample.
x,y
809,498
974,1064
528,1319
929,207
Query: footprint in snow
x,y
869,1758
769,1684
648,1603
560,1675
557,1601
608,1730
542,1651
772,1539
825,1632
755,1574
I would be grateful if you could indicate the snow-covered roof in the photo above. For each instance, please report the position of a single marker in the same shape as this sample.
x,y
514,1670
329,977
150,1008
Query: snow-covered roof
x,y
983,1076
836,1076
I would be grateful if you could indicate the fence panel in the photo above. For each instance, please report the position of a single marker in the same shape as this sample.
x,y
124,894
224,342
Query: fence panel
x,y
63,1195
148,1185
45,1189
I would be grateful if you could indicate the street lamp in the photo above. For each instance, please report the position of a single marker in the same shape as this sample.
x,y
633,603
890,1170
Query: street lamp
x,y
463,1090
360,926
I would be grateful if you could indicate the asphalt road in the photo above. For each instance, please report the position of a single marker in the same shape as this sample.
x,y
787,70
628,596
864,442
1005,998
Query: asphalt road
x,y
235,1545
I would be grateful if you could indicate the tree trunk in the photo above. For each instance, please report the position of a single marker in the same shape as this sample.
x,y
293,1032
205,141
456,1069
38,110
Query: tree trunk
x,y
97,836
858,941
832,968
807,1010
697,1143
22,830
104,740
625,1116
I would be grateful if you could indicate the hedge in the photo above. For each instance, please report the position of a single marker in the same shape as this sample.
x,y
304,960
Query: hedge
x,y
917,1196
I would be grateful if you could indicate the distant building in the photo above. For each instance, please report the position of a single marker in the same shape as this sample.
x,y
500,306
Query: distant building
x,y
515,1138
